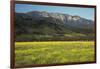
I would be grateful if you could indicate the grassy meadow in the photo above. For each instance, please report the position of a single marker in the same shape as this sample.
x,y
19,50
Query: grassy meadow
x,y
53,52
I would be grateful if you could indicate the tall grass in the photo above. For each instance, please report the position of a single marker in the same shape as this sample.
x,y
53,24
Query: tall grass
x,y
53,52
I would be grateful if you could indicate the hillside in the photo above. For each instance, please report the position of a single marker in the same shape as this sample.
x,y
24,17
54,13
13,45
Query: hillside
x,y
43,26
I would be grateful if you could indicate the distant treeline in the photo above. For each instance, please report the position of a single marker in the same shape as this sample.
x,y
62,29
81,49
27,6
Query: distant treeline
x,y
52,38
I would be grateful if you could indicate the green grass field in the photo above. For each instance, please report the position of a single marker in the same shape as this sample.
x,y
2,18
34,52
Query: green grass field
x,y
53,52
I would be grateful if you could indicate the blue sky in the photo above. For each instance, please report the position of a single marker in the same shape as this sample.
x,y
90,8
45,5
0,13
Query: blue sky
x,y
87,13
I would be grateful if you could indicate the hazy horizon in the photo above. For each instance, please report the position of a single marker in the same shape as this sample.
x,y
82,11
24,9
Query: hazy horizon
x,y
87,13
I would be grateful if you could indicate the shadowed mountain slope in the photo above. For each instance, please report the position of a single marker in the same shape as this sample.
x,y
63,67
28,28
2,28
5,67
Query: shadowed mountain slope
x,y
41,26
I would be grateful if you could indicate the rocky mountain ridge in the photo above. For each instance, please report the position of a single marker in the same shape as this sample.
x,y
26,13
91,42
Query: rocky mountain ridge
x,y
52,24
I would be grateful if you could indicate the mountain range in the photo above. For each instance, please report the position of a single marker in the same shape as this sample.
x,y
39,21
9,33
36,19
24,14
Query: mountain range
x,y
42,25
